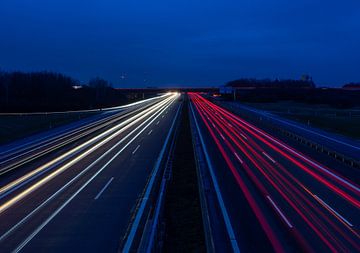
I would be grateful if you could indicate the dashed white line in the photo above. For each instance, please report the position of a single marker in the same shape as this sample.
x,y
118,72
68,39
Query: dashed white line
x,y
104,188
303,157
269,157
332,210
230,125
222,136
157,123
162,116
150,132
138,146
243,136
279,212
53,215
238,157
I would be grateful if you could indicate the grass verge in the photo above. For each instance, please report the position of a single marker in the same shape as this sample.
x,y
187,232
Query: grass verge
x,y
342,121
15,127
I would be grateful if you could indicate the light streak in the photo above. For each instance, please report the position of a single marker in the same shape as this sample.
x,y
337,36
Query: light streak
x,y
120,128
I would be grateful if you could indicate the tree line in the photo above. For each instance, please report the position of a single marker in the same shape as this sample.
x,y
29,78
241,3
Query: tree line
x,y
49,91
269,83
303,91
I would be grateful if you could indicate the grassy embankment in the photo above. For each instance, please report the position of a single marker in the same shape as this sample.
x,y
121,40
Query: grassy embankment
x,y
15,127
341,121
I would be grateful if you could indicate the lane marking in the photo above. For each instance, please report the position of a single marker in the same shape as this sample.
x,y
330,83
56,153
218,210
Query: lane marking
x,y
243,136
222,136
149,187
229,228
30,237
288,148
279,211
150,132
104,188
269,157
332,210
73,180
238,157
303,128
54,136
108,135
138,146
157,123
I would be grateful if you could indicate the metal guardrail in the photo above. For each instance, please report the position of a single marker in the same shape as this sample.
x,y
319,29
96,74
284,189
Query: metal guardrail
x,y
314,145
203,186
320,148
150,239
212,183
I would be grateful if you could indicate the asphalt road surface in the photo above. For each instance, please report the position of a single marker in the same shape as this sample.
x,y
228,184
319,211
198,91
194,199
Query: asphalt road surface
x,y
341,144
77,191
272,197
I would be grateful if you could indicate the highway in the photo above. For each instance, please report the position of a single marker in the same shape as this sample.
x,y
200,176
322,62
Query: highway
x,y
341,144
272,197
81,189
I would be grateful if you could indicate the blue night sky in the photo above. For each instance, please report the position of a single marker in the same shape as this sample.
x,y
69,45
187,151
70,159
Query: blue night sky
x,y
135,43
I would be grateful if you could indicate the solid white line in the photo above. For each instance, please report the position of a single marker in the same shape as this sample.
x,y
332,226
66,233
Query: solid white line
x,y
238,157
229,228
67,165
53,137
139,214
299,155
269,157
30,237
305,129
150,132
138,146
104,188
279,211
71,181
336,213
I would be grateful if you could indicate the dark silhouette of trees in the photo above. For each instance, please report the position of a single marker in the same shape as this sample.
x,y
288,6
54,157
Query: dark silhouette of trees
x,y
304,91
268,83
352,86
48,91
102,89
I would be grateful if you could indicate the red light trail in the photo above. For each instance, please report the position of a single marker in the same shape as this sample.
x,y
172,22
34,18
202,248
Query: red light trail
x,y
286,179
